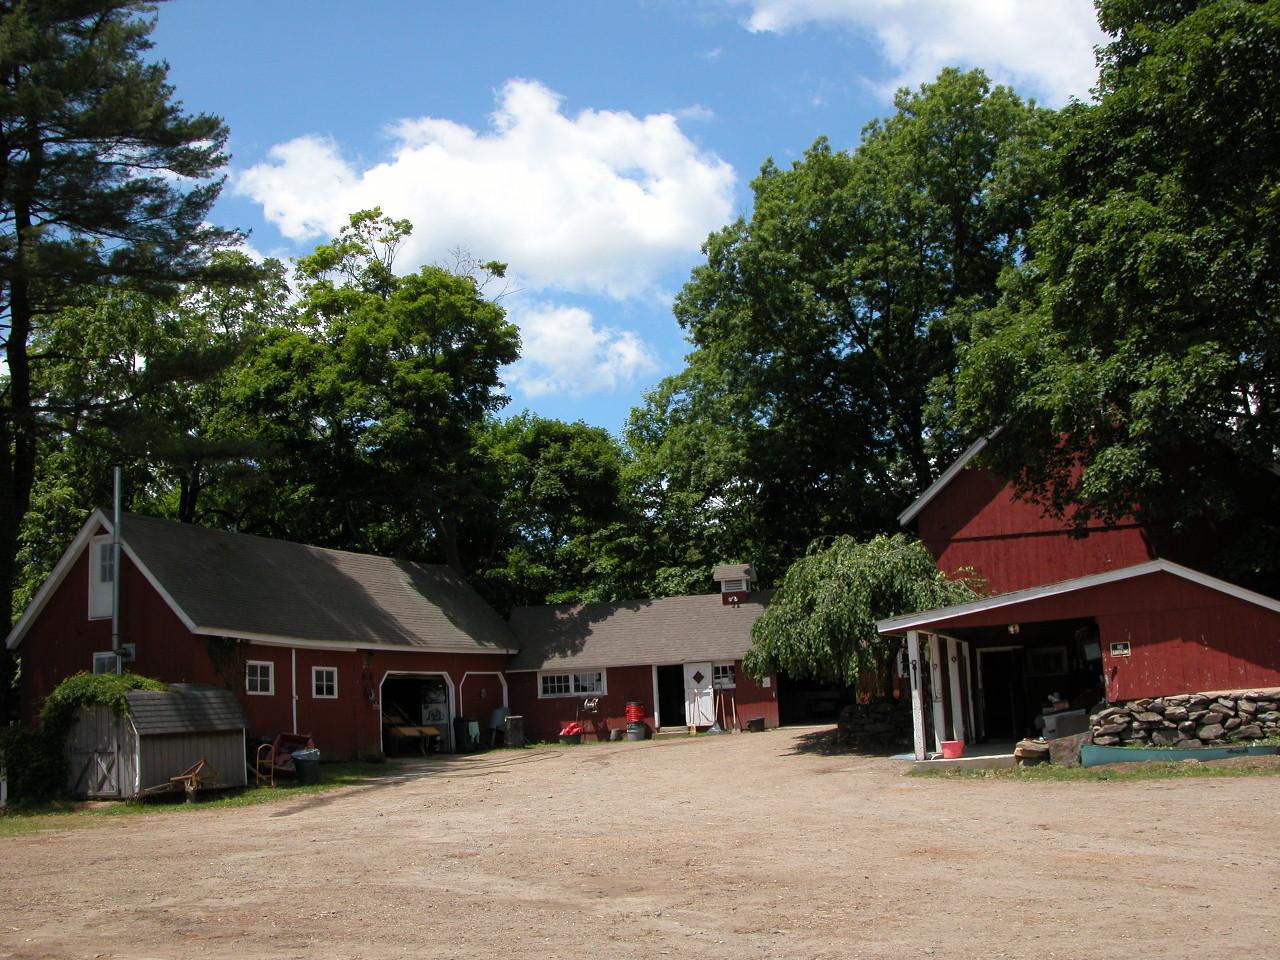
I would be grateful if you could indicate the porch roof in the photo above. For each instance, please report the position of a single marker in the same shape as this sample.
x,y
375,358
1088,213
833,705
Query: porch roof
x,y
1029,604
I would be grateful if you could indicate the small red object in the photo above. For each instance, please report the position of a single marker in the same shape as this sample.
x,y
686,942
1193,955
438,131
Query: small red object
x,y
571,728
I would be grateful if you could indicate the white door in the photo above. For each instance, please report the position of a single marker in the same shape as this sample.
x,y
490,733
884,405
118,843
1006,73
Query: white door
x,y
699,695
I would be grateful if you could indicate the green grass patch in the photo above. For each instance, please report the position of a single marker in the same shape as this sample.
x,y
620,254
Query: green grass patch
x,y
1151,770
64,815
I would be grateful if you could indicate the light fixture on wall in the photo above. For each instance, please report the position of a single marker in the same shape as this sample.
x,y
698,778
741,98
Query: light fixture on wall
x,y
1014,629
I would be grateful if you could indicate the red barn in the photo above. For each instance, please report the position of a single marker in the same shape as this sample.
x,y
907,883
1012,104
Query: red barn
x,y
1076,620
340,645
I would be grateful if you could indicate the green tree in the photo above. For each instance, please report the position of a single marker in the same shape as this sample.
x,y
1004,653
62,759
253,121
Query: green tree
x,y
820,323
1134,358
371,406
562,525
822,622
104,181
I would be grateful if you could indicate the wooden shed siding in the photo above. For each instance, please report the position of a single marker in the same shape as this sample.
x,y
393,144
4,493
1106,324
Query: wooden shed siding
x,y
164,755
97,730
1183,637
977,522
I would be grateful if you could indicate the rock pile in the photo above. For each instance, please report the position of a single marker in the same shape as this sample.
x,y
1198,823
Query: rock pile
x,y
1189,720
883,722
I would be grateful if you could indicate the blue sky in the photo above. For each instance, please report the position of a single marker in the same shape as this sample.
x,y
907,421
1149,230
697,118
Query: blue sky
x,y
591,145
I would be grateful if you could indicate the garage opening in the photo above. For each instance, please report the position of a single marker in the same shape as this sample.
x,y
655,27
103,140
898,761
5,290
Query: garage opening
x,y
417,714
1034,679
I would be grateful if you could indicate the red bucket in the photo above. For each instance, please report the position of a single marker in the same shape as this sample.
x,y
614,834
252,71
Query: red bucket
x,y
635,711
952,749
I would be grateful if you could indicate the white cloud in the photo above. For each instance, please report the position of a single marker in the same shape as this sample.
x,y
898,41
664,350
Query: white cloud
x,y
565,351
603,201
1045,47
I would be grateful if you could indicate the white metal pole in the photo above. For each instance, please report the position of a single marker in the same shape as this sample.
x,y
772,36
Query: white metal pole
x,y
115,570
917,695
293,670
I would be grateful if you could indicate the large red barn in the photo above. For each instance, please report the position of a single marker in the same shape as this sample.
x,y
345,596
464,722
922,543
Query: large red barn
x,y
1077,619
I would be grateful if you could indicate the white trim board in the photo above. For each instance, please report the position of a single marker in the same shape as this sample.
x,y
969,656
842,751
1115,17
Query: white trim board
x,y
953,471
899,625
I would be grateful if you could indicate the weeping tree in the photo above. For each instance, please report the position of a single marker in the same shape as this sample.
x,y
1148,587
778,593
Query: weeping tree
x,y
822,623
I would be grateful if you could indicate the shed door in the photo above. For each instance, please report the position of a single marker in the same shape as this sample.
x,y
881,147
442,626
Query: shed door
x,y
699,705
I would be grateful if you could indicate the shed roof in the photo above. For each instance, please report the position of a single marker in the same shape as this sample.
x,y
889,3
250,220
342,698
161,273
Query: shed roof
x,y
734,571
184,709
925,619
635,633
273,591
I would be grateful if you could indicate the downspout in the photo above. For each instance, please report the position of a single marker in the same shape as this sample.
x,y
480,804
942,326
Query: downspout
x,y
115,572
293,670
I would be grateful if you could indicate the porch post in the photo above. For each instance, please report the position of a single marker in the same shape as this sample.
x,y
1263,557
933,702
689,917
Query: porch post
x,y
917,697
959,726
936,654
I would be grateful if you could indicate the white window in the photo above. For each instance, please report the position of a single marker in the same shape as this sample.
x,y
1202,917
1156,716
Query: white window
x,y
101,573
722,676
571,684
324,683
104,662
260,677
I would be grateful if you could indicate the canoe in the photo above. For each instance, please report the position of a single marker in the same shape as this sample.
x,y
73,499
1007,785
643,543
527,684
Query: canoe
x,y
1091,755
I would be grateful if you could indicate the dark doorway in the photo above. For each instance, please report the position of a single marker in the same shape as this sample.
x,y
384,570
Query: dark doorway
x,y
811,700
412,706
671,695
1002,694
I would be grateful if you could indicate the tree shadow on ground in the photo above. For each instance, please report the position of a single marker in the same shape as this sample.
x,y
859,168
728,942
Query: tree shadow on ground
x,y
826,743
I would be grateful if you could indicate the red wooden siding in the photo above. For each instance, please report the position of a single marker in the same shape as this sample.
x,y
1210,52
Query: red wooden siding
x,y
544,717
977,522
63,640
1183,637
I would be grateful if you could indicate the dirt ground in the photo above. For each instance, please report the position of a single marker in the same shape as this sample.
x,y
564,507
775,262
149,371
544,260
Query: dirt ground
x,y
734,846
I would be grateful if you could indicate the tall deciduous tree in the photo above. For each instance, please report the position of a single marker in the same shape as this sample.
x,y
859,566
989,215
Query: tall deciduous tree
x,y
820,323
822,623
372,405
103,181
1135,357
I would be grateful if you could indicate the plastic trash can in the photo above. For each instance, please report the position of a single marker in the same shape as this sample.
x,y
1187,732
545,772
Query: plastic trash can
x,y
306,763
514,733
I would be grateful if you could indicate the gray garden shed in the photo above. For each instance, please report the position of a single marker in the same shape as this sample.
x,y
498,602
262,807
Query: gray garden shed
x,y
160,735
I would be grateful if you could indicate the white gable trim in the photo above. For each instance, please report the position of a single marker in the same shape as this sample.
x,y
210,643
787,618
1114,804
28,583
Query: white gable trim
x,y
898,625
78,545
54,580
953,471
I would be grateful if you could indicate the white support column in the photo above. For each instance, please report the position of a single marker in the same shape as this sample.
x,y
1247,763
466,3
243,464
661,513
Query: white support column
x,y
936,653
917,696
958,725
969,667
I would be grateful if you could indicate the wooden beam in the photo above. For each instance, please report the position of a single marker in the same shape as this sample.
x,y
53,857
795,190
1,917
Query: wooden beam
x,y
936,654
959,727
917,696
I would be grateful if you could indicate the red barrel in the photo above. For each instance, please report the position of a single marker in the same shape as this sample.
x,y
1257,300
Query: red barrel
x,y
635,711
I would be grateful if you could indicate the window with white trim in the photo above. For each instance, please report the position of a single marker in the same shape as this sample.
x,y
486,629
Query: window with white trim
x,y
589,683
722,676
105,662
260,678
101,573
324,683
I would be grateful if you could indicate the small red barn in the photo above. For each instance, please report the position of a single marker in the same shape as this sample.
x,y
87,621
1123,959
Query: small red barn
x,y
336,644
680,657
1075,621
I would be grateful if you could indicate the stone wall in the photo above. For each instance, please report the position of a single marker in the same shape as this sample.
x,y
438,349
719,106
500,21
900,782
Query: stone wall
x,y
883,722
1190,720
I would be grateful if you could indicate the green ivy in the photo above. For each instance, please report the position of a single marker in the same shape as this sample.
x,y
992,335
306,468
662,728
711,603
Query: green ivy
x,y
35,758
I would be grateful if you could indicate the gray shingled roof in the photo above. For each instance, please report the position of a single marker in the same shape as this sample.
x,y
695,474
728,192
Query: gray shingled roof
x,y
671,630
733,571
184,709
235,584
